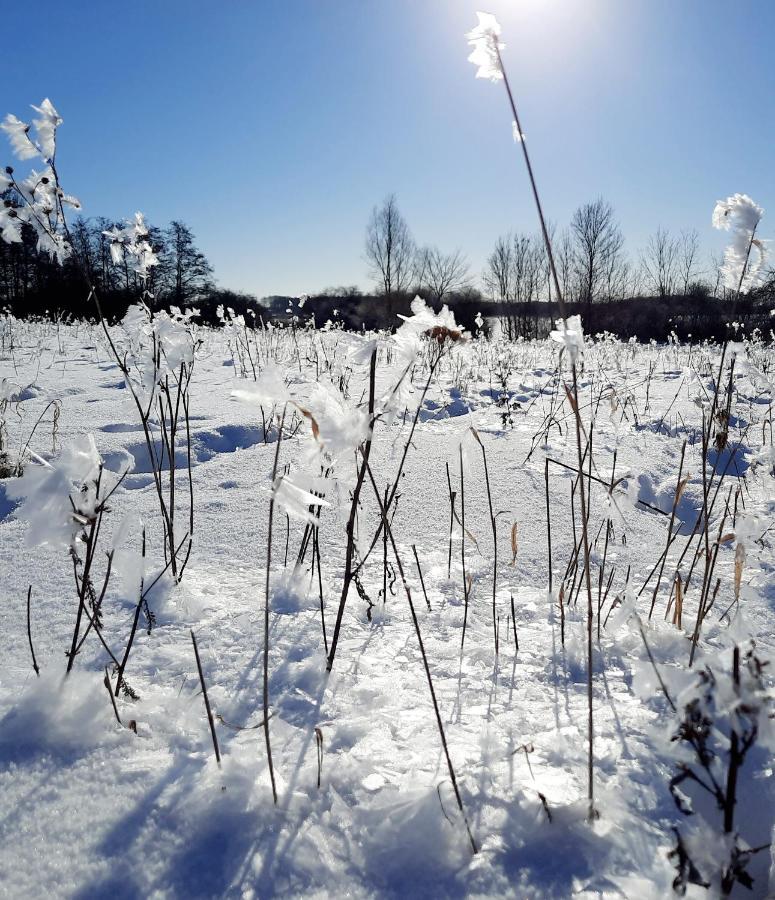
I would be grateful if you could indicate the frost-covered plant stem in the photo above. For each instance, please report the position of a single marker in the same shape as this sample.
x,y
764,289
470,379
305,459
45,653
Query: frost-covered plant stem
x,y
415,621
267,601
208,708
590,610
29,633
350,551
548,523
438,353
494,527
463,546
451,520
676,498
572,342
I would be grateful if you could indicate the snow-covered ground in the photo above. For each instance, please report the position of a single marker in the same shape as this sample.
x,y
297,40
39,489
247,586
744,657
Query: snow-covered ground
x,y
91,808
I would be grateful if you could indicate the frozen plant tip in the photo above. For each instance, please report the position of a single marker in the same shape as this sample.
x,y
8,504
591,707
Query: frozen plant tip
x,y
424,326
130,245
38,200
570,334
740,216
59,498
45,130
487,46
723,713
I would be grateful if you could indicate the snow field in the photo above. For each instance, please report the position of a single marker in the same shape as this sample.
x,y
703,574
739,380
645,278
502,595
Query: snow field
x,y
92,809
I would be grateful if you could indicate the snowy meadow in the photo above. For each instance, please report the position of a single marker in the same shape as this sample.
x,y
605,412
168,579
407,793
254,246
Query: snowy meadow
x,y
291,610
460,652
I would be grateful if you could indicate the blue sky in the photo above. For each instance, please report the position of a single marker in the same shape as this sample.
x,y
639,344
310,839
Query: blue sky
x,y
272,127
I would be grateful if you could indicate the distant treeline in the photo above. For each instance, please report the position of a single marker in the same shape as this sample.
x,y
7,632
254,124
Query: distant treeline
x,y
696,316
31,284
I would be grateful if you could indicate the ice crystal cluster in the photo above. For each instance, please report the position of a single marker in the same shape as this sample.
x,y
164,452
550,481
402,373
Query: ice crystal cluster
x,y
744,257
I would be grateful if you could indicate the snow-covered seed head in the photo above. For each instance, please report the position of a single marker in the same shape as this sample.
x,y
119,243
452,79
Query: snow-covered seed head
x,y
441,334
129,245
487,46
46,127
737,212
570,333
744,258
45,132
38,199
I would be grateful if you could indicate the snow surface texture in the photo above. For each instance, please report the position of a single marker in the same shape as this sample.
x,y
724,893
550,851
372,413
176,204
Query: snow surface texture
x,y
93,809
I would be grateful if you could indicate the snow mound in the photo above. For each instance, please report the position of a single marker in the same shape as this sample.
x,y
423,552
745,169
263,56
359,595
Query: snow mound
x,y
60,716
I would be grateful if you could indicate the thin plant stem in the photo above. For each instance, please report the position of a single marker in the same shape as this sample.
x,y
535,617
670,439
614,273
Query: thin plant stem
x,y
422,580
350,551
676,498
548,522
29,633
451,521
214,736
561,301
463,547
267,601
494,526
426,666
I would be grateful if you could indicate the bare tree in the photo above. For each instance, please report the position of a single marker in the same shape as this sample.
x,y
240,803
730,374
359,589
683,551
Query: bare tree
x,y
688,254
497,274
545,285
633,286
597,248
716,263
563,256
524,268
440,273
660,263
186,267
619,277
515,275
390,248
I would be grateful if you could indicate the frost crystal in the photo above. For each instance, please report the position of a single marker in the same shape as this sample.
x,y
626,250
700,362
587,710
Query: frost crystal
x,y
570,334
745,256
18,135
45,131
424,322
486,53
130,244
59,498
37,201
46,127
158,345
295,499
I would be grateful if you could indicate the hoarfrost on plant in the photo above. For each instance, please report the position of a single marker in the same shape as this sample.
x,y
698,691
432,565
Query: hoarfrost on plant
x,y
59,498
745,256
570,334
487,46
